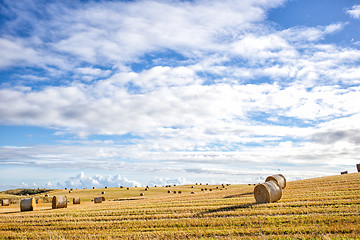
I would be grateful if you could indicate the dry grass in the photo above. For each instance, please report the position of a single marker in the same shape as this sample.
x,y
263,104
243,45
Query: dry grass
x,y
321,208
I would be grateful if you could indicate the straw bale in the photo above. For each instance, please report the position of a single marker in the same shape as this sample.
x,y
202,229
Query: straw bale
x,y
278,178
103,199
358,167
344,172
98,200
267,192
5,202
28,204
76,200
103,192
141,194
59,202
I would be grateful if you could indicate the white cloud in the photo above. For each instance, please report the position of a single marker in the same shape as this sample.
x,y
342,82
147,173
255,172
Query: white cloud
x,y
118,32
193,100
354,12
98,181
14,52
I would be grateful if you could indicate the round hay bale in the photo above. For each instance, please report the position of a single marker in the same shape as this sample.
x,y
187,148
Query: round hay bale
x,y
106,187
103,199
358,167
5,202
103,192
127,188
93,187
145,189
267,192
210,189
344,172
192,186
70,191
179,192
76,200
169,191
141,194
46,195
121,186
59,202
278,178
174,192
192,193
98,200
28,204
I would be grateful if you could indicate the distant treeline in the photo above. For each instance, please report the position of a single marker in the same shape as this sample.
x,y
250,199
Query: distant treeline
x,y
26,191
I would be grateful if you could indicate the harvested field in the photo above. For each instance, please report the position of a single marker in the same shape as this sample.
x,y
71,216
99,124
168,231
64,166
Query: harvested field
x,y
320,208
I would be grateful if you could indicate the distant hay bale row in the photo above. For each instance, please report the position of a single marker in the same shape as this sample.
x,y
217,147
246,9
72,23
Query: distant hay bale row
x,y
59,202
271,190
5,202
27,204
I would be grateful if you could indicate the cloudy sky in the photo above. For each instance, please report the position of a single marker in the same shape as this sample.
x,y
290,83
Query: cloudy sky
x,y
141,92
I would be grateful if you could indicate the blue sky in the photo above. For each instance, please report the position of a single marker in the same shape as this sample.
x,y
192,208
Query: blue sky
x,y
96,93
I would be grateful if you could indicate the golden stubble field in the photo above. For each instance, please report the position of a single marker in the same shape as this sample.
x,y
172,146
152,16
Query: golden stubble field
x,y
320,208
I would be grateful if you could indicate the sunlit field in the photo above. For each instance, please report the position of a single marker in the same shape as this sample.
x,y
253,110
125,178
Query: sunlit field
x,y
320,208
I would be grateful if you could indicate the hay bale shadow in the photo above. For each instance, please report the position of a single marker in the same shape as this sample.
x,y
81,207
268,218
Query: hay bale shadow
x,y
229,208
240,195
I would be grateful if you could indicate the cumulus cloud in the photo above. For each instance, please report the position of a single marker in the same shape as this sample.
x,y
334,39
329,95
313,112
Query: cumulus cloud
x,y
354,11
158,181
81,181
